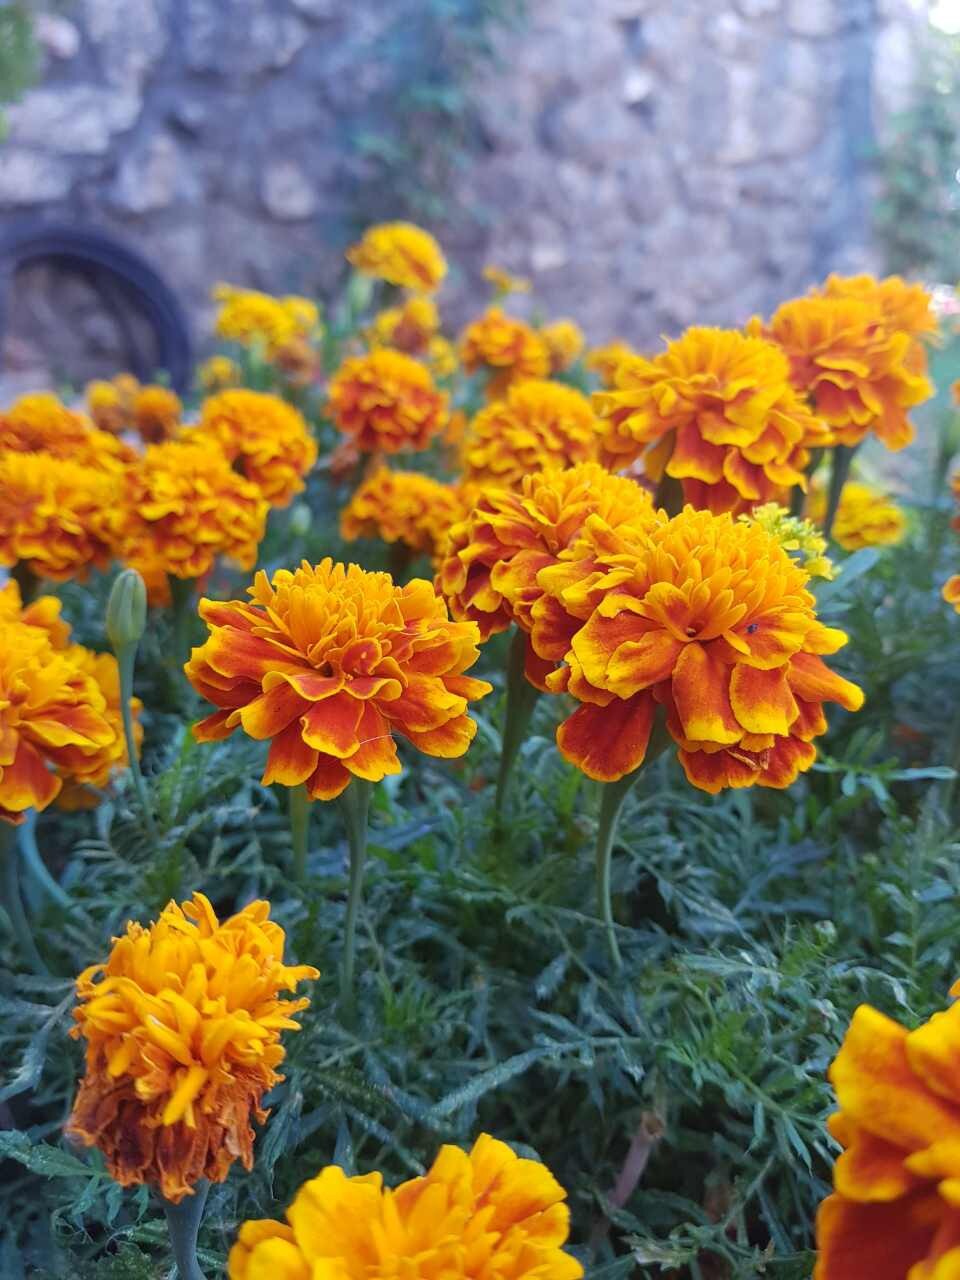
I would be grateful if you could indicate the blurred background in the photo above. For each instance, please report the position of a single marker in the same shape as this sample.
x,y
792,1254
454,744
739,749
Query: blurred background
x,y
649,163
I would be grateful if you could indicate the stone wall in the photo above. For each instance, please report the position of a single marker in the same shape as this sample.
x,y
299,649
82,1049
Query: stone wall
x,y
649,162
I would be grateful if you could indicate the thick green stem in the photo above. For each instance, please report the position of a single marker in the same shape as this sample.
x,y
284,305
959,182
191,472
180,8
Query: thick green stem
x,y
13,902
521,700
355,805
26,580
126,660
299,809
183,1221
182,592
839,470
35,865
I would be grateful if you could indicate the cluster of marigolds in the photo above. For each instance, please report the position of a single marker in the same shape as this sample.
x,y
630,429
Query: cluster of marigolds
x,y
633,538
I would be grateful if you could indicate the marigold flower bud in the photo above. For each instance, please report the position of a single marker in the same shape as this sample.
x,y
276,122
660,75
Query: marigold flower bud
x,y
126,610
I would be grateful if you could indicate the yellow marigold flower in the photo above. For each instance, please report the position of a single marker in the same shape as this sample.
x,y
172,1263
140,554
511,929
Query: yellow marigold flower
x,y
538,424
156,413
408,328
404,507
42,423
184,506
472,1216
906,308
53,716
604,361
865,517
894,1211
387,402
182,1026
266,439
442,357
859,374
565,342
219,373
43,612
249,317
709,618
504,282
508,349
716,411
328,662
951,591
107,407
55,516
400,253
795,535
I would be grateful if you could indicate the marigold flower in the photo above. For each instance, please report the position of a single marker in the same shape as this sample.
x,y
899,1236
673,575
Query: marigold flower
x,y
182,1026
716,411
565,341
55,516
42,423
53,716
951,591
504,282
865,517
473,1216
538,424
408,328
266,439
107,406
156,413
604,361
298,361
441,357
400,253
328,662
404,507
859,374
249,317
386,402
507,348
895,1210
905,307
184,506
43,612
710,618
219,373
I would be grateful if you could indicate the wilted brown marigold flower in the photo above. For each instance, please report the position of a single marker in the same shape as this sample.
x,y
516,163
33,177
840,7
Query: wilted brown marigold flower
x,y
507,348
404,507
182,1025
328,663
538,424
156,413
386,402
400,253
565,342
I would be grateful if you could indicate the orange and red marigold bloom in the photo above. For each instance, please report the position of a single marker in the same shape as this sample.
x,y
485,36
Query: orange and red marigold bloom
x,y
895,1210
408,328
506,348
473,1216
328,663
402,507
182,1026
386,402
156,413
401,253
42,423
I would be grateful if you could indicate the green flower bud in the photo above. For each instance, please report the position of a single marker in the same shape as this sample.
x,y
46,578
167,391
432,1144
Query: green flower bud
x,y
301,519
126,610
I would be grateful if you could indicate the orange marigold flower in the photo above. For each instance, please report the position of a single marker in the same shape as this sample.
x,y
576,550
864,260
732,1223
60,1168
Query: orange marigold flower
x,y
858,373
55,516
865,517
329,662
53,716
400,253
184,506
219,373
951,591
266,439
538,424
716,411
107,407
43,612
408,328
895,1210
565,342
404,507
473,1216
507,348
42,423
905,307
604,361
386,402
709,617
156,413
249,318
182,1025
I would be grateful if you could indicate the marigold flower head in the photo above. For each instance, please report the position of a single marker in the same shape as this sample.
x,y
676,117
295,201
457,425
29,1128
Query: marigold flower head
x,y
408,327
951,591
565,342
400,253
473,1216
387,402
266,439
42,423
251,318
859,374
219,373
404,507
710,618
905,307
865,517
505,282
442,357
604,361
895,1209
716,411
43,612
182,1026
507,348
108,407
156,413
538,424
329,662
55,516
184,506
298,361
797,536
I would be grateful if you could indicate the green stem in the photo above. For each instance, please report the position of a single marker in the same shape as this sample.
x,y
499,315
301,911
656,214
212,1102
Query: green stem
x,y
521,699
398,565
355,805
669,495
126,660
26,580
13,902
35,865
299,810
611,804
183,1221
839,470
184,610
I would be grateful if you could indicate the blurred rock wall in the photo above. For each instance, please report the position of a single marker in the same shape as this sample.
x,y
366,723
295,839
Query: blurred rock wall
x,y
648,162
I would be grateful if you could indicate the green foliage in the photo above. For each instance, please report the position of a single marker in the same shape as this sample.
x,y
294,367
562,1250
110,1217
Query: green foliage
x,y
19,56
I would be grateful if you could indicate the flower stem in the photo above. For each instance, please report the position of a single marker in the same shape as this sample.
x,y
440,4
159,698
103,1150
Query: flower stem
x,y
355,805
26,580
521,700
183,1221
13,902
126,659
839,470
35,865
182,594
299,810
798,496
611,804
